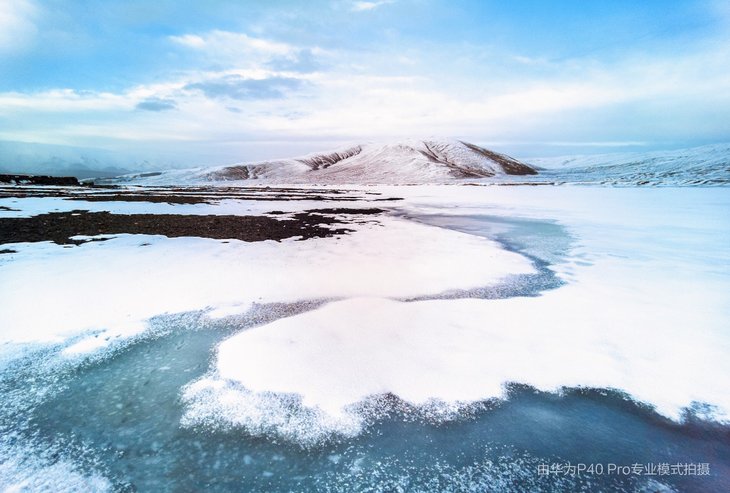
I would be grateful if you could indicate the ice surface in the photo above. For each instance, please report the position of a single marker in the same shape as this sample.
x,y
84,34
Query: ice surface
x,y
23,469
645,311
644,308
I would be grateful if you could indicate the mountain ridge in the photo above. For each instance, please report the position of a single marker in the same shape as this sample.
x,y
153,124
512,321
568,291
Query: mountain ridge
x,y
403,162
707,165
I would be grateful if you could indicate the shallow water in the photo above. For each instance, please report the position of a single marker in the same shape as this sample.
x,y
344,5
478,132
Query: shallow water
x,y
123,413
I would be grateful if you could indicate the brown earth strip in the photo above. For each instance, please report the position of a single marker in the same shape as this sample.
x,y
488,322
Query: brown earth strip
x,y
433,155
59,227
345,210
323,161
510,165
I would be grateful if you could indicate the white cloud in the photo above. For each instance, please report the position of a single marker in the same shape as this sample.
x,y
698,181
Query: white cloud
x,y
240,51
352,106
233,45
17,24
61,101
189,40
362,95
360,6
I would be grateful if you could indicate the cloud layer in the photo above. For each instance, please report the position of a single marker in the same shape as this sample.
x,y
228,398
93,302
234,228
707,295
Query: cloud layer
x,y
339,72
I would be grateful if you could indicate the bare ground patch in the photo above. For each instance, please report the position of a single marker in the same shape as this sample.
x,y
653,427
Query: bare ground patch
x,y
60,227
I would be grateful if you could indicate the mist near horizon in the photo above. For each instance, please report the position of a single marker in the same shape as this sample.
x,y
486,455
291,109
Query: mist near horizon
x,y
89,162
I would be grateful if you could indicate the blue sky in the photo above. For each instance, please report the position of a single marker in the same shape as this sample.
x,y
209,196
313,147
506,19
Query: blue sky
x,y
214,81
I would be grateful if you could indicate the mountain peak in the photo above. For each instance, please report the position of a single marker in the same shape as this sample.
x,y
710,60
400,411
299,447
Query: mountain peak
x,y
402,162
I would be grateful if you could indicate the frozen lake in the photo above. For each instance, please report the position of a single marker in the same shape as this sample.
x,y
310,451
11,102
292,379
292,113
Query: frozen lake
x,y
463,340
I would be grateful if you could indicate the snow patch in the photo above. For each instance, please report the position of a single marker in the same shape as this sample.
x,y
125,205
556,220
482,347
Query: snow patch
x,y
112,287
456,352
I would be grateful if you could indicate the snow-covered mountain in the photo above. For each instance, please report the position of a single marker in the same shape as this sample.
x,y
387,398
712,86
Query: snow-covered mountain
x,y
407,162
699,166
453,161
60,160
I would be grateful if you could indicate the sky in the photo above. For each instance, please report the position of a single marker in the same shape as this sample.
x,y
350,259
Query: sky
x,y
214,82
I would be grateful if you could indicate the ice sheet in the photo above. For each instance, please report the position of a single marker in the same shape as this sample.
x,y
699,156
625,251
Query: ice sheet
x,y
645,307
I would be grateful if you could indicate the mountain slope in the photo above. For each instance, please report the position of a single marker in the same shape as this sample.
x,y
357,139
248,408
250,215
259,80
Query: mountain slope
x,y
409,162
58,160
704,166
